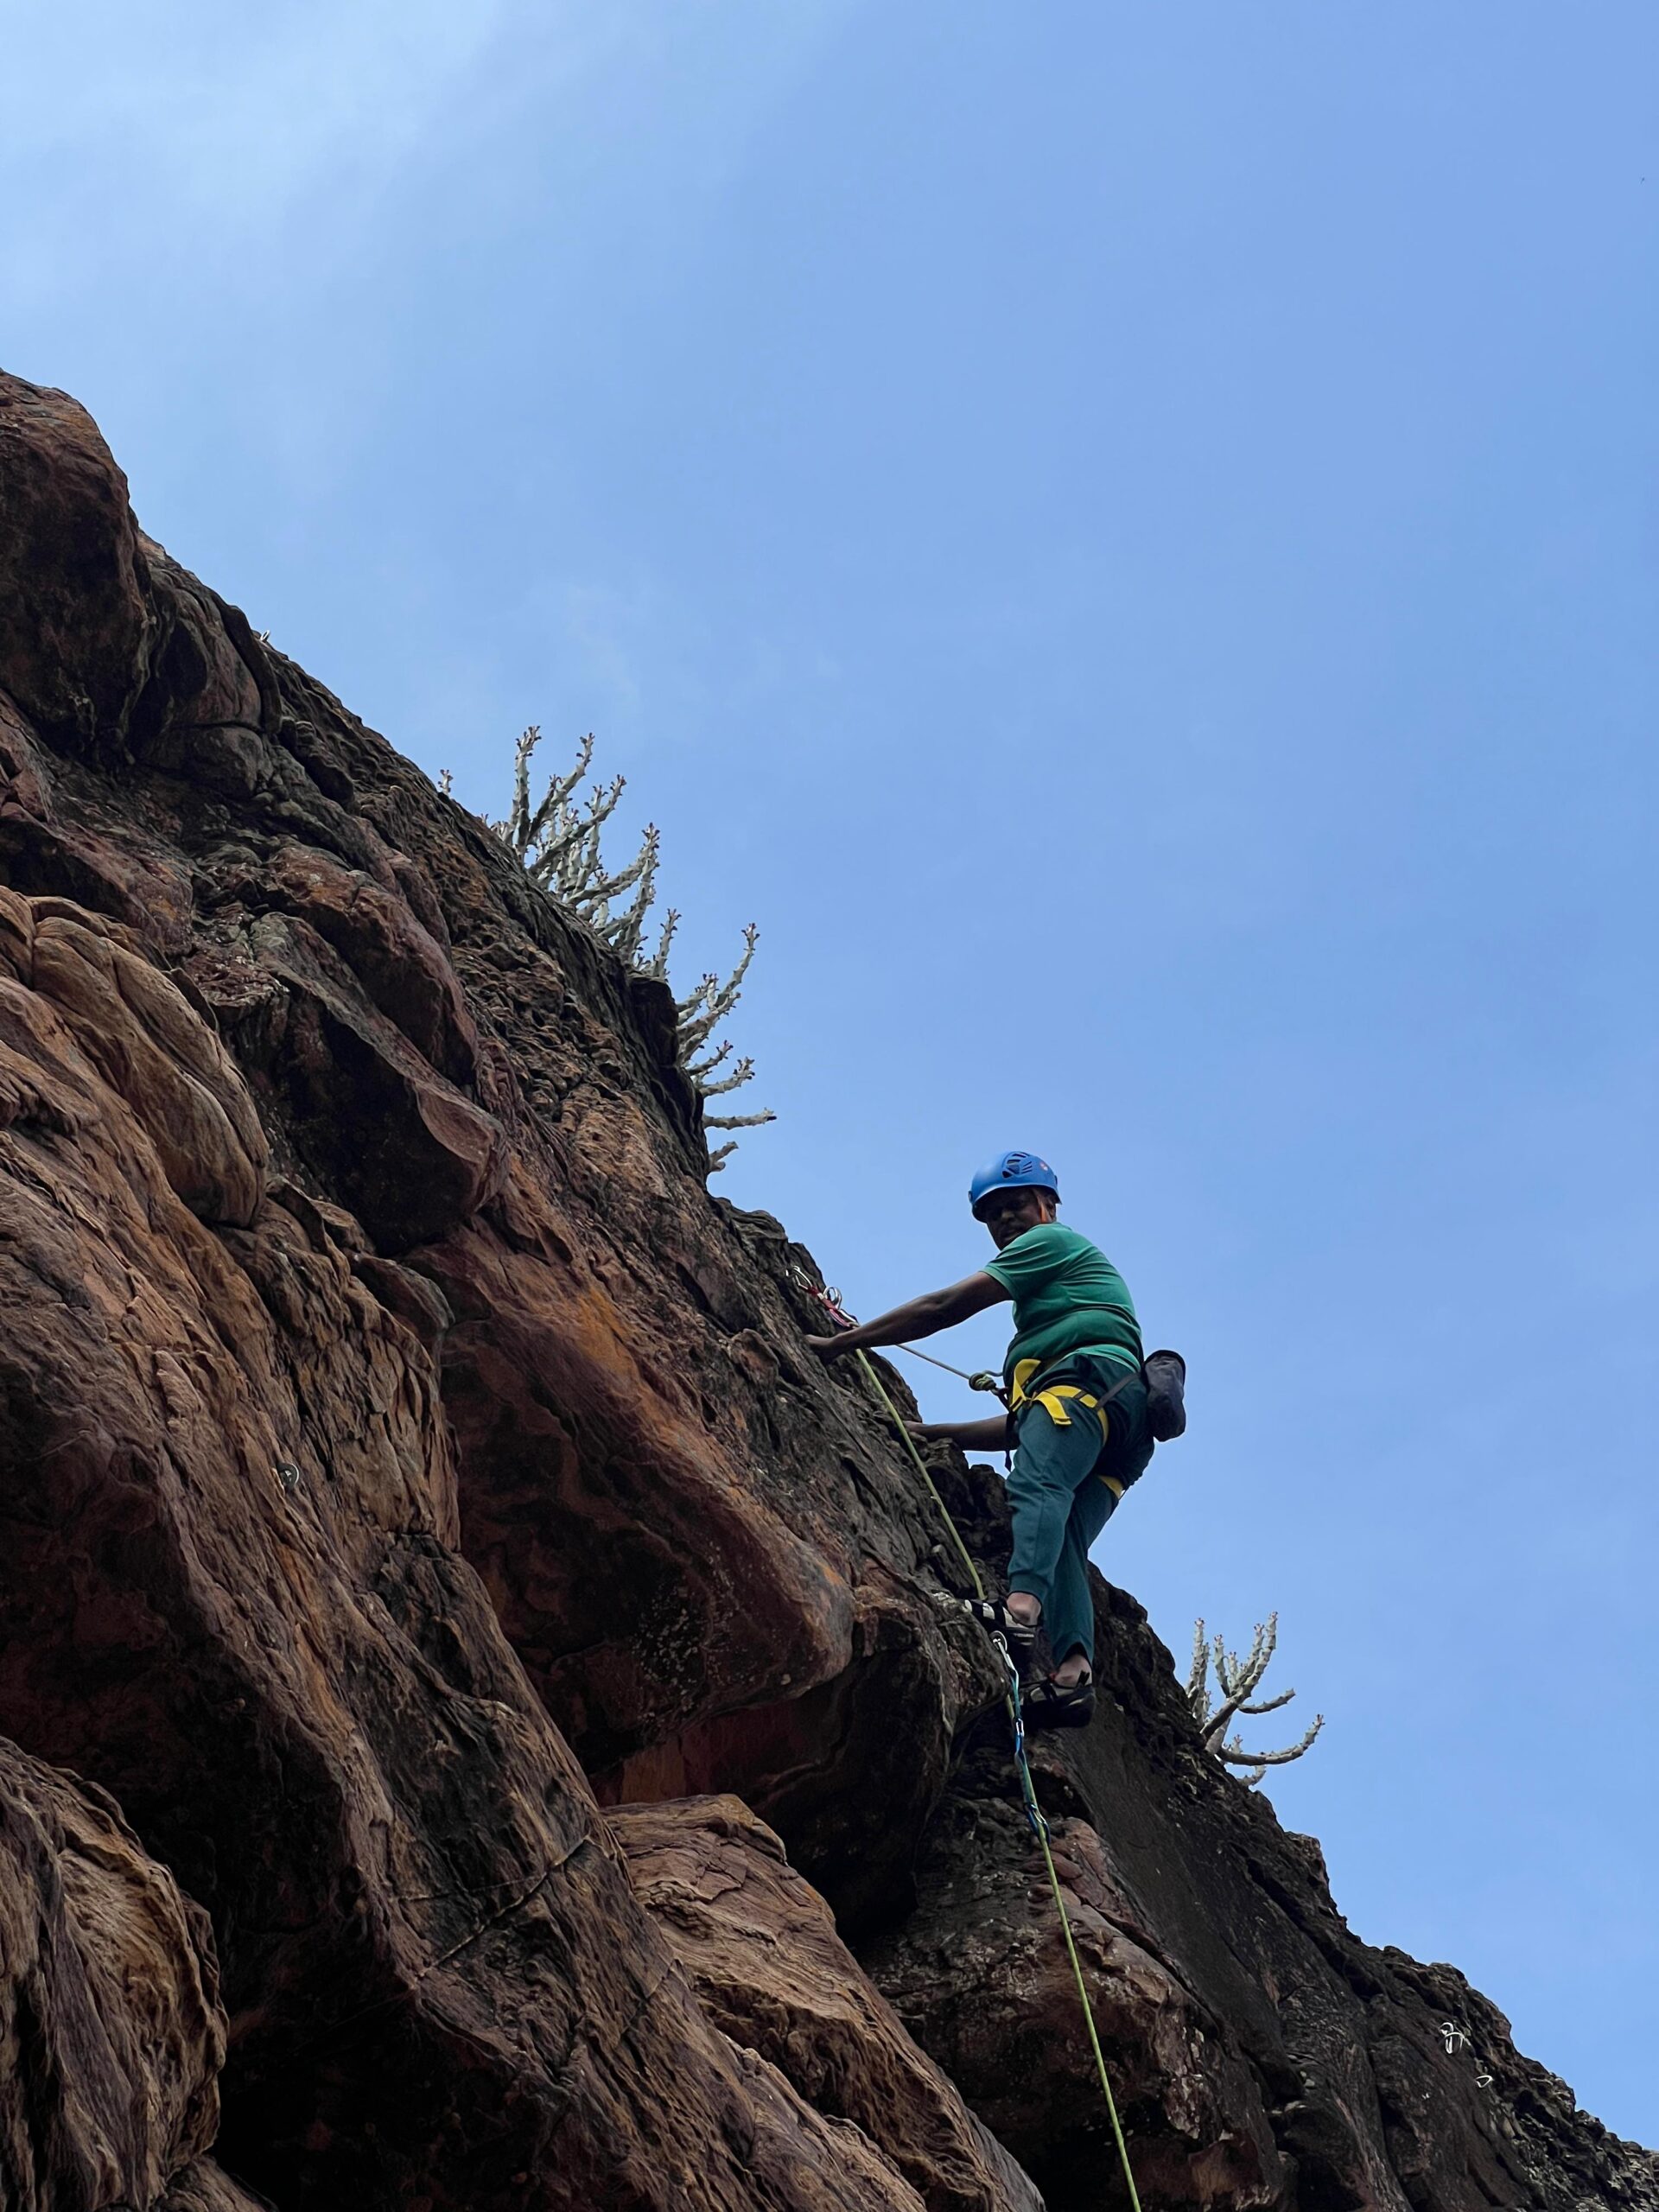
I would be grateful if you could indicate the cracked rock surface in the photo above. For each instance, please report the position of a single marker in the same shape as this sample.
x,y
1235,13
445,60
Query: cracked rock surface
x,y
762,1952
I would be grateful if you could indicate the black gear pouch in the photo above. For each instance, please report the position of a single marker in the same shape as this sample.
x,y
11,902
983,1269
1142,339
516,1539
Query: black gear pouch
x,y
1165,1374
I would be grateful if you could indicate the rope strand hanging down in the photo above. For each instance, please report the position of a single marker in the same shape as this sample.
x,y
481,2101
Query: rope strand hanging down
x,y
1034,1813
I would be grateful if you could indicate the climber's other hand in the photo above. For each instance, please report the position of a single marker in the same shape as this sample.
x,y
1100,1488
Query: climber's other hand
x,y
827,1348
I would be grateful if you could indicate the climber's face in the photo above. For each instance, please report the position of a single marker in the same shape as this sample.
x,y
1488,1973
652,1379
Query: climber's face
x,y
1008,1214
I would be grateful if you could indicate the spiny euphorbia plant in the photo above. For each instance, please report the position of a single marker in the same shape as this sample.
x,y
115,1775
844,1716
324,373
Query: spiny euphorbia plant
x,y
1236,1679
560,844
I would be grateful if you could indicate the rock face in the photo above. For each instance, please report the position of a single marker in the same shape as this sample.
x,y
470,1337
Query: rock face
x,y
111,2034
1264,2056
406,1461
762,1952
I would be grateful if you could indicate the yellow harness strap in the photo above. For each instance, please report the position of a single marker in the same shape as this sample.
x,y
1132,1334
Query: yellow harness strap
x,y
1023,1371
1054,1401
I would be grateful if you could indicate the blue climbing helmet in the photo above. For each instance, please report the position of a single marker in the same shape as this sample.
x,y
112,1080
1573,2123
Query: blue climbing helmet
x,y
1013,1171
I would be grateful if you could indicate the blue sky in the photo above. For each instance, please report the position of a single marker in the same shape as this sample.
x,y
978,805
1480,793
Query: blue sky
x,y
1126,540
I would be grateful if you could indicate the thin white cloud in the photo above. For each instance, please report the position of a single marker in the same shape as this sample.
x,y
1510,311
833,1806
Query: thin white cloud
x,y
184,133
181,132
238,110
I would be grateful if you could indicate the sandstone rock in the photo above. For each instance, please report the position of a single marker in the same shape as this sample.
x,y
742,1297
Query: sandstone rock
x,y
829,2161
1261,2054
152,1047
204,2186
211,690
391,952
980,1975
78,858
420,1155
231,1595
763,1956
703,1594
110,2029
75,618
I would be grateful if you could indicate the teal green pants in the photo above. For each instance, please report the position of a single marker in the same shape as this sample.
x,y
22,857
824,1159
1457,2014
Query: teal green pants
x,y
1072,1462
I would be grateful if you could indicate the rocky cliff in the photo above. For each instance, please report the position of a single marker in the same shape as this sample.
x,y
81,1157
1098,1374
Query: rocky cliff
x,y
468,1676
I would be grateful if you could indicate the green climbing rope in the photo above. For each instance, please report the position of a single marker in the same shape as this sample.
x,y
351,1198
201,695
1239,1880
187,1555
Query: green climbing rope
x,y
909,1443
1034,1810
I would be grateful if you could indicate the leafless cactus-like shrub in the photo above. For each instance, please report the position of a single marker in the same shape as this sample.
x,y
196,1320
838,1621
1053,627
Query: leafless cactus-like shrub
x,y
1236,1681
560,842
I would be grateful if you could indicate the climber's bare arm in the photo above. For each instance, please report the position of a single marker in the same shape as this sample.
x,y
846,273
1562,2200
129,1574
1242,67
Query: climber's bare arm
x,y
919,1317
991,1435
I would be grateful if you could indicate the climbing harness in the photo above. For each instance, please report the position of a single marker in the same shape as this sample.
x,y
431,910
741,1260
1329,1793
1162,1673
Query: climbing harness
x,y
831,1300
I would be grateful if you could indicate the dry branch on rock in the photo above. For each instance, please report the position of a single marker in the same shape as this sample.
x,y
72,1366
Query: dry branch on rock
x,y
560,842
1236,1681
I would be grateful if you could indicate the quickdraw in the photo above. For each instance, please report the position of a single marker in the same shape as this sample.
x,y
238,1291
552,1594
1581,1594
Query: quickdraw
x,y
981,1379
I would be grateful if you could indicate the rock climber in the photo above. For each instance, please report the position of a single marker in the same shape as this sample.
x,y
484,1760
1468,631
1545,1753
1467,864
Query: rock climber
x,y
1076,1422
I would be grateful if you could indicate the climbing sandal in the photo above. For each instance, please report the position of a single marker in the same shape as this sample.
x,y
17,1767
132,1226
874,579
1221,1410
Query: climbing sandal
x,y
996,1620
1046,1705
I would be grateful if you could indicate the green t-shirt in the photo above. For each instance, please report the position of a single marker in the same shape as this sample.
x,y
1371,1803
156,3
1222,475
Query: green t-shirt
x,y
1068,1297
